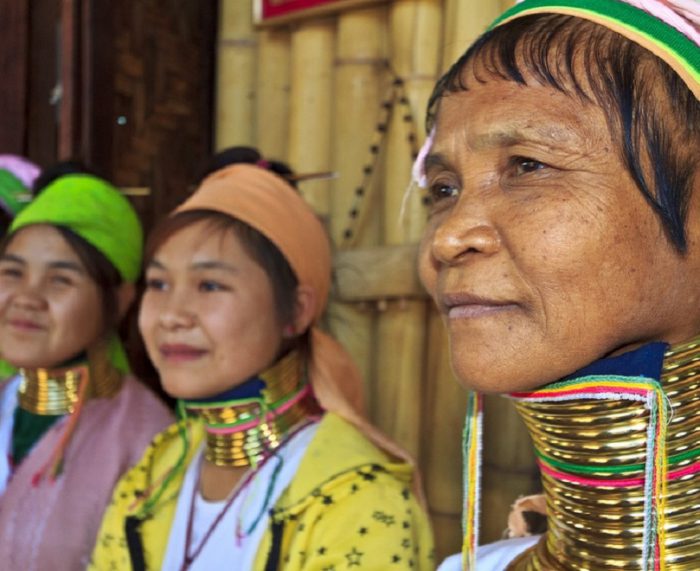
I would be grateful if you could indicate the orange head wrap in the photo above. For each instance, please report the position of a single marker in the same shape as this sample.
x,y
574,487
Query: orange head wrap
x,y
268,204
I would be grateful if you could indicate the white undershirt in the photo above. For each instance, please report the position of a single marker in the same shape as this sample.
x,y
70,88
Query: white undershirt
x,y
8,404
222,550
493,556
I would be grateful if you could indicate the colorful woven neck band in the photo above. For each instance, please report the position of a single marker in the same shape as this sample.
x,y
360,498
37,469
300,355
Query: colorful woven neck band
x,y
243,431
620,463
660,38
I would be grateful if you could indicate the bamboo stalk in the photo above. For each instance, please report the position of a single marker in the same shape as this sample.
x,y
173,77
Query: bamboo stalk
x,y
235,74
310,102
414,32
444,410
358,88
272,126
509,465
465,20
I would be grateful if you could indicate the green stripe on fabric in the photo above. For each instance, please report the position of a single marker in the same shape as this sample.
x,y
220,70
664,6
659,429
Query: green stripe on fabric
x,y
578,469
11,191
625,15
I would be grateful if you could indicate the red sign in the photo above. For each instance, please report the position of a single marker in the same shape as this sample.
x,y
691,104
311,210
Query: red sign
x,y
272,11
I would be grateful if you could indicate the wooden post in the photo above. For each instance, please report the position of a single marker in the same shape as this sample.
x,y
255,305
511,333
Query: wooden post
x,y
414,36
465,20
310,106
14,64
235,74
445,406
272,125
509,465
359,83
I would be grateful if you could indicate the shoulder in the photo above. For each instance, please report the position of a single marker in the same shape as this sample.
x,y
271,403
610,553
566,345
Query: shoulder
x,y
339,451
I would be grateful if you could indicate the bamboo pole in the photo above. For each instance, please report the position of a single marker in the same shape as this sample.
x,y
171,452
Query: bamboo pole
x,y
273,79
509,465
446,403
464,21
414,32
310,104
358,87
235,74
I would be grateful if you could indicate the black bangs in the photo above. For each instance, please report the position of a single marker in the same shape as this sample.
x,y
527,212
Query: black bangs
x,y
650,111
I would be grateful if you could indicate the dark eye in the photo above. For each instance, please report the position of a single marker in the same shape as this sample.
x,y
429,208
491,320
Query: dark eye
x,y
155,284
440,191
61,280
525,165
10,272
211,286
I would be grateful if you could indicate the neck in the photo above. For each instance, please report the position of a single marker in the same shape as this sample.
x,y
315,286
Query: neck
x,y
245,425
58,390
620,462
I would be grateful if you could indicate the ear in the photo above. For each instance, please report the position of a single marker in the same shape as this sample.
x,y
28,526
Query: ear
x,y
126,293
304,308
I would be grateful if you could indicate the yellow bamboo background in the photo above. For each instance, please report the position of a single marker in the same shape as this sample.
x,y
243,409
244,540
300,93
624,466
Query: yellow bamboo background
x,y
310,92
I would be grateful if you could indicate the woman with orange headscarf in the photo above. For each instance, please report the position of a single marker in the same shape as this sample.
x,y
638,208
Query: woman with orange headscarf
x,y
272,465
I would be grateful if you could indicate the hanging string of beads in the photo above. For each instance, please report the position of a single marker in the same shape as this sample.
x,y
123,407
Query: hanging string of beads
x,y
396,100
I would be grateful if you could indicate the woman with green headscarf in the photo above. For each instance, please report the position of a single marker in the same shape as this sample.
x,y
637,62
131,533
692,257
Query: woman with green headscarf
x,y
73,419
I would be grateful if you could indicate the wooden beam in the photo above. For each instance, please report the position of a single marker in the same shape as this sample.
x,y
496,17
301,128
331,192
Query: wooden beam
x,y
377,273
13,66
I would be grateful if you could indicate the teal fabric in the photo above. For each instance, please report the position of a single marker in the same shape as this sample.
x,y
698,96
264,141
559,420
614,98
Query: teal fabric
x,y
28,430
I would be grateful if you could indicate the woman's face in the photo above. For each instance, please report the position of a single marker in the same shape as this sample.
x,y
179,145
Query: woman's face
x,y
208,316
50,308
540,252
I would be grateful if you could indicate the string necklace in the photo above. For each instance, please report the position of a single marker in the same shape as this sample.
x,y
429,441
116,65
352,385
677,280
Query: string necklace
x,y
189,558
246,427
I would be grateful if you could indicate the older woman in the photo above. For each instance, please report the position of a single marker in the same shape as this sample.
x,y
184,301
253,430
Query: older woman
x,y
273,466
563,250
73,419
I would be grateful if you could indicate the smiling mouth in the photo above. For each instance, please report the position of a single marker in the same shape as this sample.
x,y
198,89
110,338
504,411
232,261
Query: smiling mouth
x,y
180,353
467,306
474,310
25,325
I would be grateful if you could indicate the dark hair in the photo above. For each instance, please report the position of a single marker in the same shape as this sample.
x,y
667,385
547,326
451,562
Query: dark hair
x,y
247,155
57,170
650,110
5,221
101,271
259,248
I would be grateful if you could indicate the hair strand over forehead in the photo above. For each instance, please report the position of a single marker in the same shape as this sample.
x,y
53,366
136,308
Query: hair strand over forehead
x,y
650,111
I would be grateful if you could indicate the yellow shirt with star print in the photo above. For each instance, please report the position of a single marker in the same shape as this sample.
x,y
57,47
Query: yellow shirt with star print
x,y
348,507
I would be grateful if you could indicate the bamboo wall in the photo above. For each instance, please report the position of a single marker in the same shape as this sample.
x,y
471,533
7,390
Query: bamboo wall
x,y
347,93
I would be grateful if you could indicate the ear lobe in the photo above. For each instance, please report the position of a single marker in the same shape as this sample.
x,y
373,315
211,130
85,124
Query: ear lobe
x,y
305,308
125,297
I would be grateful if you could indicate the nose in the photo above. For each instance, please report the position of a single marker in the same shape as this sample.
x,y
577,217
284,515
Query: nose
x,y
28,297
175,313
465,231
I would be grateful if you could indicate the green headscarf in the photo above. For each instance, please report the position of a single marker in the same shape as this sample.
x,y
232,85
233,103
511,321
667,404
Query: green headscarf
x,y
14,196
97,212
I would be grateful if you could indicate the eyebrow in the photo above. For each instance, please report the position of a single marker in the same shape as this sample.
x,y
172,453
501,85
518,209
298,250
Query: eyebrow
x,y
55,265
203,265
